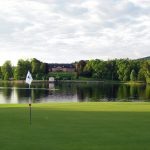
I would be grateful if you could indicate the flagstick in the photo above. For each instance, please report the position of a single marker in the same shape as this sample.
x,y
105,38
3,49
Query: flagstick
x,y
30,105
29,81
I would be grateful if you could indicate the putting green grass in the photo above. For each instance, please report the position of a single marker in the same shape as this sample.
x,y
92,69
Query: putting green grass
x,y
76,126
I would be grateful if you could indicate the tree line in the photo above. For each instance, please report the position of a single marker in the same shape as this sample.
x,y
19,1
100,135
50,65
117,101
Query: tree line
x,y
19,72
117,69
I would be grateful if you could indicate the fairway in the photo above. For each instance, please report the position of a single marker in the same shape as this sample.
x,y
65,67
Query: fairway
x,y
76,126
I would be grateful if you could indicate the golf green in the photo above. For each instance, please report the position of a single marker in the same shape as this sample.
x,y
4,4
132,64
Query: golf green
x,y
76,126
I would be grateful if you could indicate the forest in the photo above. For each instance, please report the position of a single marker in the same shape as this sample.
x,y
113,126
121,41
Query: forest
x,y
96,69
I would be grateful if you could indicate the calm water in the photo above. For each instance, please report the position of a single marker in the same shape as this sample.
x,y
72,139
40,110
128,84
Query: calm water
x,y
72,92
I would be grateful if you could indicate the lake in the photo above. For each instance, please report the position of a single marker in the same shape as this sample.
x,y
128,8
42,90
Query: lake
x,y
72,92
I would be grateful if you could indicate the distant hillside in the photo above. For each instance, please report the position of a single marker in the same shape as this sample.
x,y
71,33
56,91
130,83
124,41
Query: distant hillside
x,y
144,58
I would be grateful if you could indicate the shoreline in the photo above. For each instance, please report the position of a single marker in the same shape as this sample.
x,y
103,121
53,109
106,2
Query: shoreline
x,y
79,81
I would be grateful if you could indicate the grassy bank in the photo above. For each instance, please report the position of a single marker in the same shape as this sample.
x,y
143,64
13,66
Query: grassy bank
x,y
75,126
104,81
81,80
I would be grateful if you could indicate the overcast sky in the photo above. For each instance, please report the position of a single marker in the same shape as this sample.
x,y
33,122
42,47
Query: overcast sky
x,y
70,30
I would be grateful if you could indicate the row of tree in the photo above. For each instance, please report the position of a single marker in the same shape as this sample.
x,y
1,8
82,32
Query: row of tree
x,y
39,69
118,69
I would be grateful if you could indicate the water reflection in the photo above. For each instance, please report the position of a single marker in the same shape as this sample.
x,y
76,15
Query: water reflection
x,y
20,93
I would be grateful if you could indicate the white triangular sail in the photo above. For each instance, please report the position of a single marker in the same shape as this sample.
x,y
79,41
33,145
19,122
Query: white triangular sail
x,y
29,78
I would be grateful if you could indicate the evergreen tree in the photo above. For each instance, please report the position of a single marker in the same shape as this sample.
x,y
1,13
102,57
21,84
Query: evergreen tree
x,y
133,75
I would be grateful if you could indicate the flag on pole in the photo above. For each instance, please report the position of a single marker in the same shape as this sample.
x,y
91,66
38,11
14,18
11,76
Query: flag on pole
x,y
29,78
29,81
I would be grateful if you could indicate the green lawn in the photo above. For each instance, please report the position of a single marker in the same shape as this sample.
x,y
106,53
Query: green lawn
x,y
76,126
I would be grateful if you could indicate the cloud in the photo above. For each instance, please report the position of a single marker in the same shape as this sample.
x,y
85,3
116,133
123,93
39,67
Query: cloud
x,y
66,31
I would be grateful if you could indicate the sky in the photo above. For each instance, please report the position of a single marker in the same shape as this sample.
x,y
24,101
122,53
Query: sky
x,y
65,31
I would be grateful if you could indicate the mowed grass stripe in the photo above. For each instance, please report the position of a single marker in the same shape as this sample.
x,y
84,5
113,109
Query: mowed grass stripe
x,y
75,126
89,106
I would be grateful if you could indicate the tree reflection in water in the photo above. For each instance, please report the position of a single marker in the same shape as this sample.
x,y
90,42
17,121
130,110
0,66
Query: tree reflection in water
x,y
72,92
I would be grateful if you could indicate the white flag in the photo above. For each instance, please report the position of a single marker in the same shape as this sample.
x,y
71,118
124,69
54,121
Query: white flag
x,y
29,78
